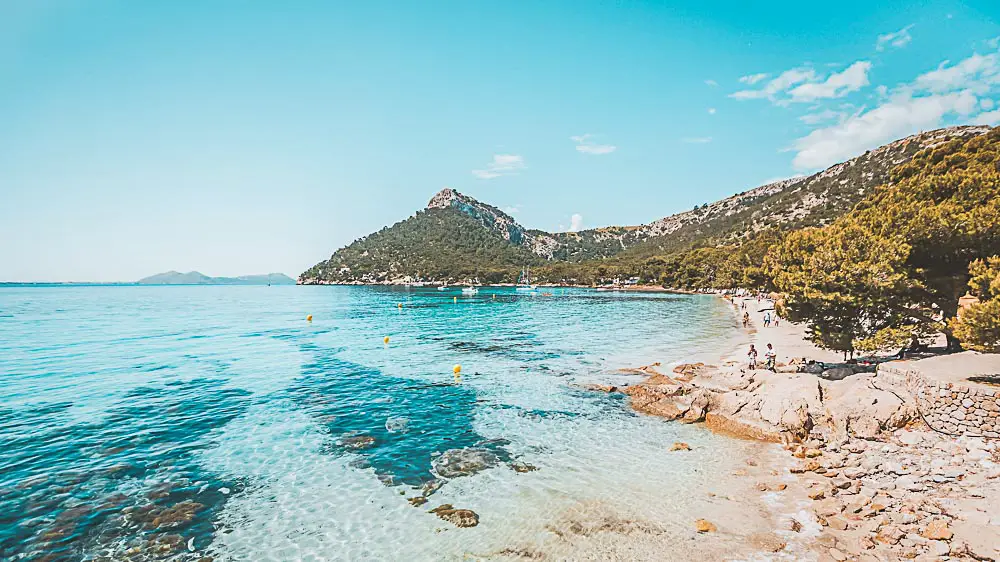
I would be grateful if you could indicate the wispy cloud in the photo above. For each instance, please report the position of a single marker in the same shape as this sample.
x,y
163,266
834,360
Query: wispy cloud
x,y
821,117
711,83
512,210
501,165
779,84
711,111
697,140
751,79
804,85
895,39
837,85
585,143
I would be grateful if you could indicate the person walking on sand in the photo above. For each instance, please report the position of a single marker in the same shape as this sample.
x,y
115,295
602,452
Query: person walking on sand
x,y
767,319
752,355
770,358
746,319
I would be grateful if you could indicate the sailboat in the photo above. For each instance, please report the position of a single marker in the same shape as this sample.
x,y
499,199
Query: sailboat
x,y
524,281
470,291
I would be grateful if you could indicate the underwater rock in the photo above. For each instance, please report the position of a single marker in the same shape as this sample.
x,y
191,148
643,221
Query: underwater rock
x,y
457,517
680,446
522,467
454,463
357,441
417,501
397,425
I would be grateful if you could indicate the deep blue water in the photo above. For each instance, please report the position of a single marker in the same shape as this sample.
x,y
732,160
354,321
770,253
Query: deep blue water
x,y
168,423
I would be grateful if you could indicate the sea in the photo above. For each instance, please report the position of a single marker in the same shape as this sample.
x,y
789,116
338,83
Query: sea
x,y
326,422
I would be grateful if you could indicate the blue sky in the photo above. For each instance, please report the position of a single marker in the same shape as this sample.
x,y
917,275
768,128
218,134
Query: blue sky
x,y
247,137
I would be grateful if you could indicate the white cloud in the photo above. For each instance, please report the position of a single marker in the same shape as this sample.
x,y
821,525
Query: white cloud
x,y
711,83
751,79
901,116
711,111
978,72
512,210
821,117
989,117
586,145
575,222
781,83
895,39
696,140
962,92
837,85
993,43
501,165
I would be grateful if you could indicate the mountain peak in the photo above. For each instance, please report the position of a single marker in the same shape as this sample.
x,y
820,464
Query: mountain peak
x,y
442,199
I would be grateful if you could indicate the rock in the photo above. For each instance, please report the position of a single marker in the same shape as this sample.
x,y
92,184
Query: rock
x,y
817,495
680,446
431,486
889,534
454,463
705,526
837,523
522,467
768,542
910,438
858,409
357,441
837,555
457,517
937,530
397,425
837,373
813,453
939,548
794,526
417,501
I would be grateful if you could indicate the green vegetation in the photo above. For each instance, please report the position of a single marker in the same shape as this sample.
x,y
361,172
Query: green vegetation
x,y
978,327
438,244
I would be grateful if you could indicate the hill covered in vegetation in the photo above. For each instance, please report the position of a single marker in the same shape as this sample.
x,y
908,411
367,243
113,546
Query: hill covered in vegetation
x,y
457,238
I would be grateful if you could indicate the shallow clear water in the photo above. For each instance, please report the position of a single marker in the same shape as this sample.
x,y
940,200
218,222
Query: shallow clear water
x,y
155,423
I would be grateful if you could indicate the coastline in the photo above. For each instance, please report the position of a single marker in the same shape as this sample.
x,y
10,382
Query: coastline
x,y
858,479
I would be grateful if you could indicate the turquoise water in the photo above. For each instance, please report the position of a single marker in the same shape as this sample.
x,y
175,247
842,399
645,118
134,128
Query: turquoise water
x,y
174,423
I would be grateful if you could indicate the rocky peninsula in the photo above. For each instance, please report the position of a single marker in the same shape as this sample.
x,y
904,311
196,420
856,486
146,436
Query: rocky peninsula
x,y
900,463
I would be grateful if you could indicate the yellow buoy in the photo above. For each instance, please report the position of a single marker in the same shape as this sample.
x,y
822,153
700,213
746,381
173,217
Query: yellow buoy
x,y
454,300
457,369
399,305
309,318
385,339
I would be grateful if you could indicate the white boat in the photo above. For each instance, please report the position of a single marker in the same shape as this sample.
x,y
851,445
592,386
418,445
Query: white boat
x,y
470,291
443,288
524,281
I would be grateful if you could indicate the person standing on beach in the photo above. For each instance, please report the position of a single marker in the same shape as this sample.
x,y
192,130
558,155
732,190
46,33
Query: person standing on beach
x,y
752,355
770,358
746,319
767,319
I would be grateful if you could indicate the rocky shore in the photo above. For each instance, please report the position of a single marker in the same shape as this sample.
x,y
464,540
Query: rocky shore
x,y
882,483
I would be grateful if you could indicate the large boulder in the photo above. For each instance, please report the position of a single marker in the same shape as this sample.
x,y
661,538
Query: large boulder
x,y
774,408
858,408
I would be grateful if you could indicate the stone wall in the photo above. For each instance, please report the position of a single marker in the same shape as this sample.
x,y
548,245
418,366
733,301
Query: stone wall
x,y
952,408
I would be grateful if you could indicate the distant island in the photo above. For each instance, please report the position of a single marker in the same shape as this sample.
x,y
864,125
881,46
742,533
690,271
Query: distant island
x,y
198,278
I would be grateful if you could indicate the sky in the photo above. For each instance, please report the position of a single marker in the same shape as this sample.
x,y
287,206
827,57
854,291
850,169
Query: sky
x,y
239,137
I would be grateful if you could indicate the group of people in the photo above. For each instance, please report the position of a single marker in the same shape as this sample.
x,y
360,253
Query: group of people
x,y
767,316
770,358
